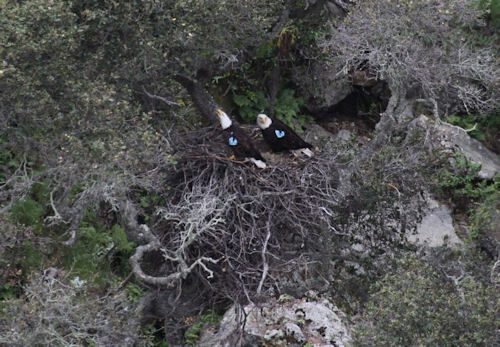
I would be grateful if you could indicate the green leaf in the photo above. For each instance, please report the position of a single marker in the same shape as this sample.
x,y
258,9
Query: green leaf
x,y
241,100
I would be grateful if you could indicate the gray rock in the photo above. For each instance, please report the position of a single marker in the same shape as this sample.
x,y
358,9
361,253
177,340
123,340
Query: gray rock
x,y
321,86
294,331
274,334
452,135
344,135
315,134
454,138
436,228
318,323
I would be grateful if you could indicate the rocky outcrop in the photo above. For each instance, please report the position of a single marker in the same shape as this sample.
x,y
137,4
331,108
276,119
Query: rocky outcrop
x,y
454,138
283,322
321,86
436,228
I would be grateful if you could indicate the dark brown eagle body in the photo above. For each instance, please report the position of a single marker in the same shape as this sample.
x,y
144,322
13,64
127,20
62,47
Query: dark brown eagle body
x,y
240,143
280,137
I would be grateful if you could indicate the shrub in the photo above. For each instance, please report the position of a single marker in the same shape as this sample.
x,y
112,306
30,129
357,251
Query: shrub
x,y
58,312
484,128
421,46
460,182
28,212
99,254
287,107
417,306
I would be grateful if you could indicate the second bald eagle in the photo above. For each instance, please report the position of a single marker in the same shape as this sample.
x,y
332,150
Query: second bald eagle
x,y
280,137
239,142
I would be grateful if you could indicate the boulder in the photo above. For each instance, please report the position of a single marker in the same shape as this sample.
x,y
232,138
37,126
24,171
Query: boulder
x,y
321,86
452,135
285,322
436,227
454,138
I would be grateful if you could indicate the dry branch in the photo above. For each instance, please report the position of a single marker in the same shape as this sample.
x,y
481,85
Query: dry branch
x,y
241,226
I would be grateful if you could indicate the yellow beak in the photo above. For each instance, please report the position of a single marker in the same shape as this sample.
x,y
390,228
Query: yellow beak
x,y
219,112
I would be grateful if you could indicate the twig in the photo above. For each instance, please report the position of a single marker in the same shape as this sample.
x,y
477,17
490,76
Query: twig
x,y
56,217
265,268
160,98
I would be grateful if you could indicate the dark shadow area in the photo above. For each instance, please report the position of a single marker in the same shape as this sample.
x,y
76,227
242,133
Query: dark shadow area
x,y
359,111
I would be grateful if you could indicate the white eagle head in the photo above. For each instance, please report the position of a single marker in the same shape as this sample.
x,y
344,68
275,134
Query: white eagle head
x,y
224,119
263,121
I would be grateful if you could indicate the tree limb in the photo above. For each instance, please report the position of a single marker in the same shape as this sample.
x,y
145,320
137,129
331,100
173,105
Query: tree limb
x,y
201,98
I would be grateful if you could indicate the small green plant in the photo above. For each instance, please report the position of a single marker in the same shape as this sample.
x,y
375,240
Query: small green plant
x,y
154,334
287,107
7,160
8,291
461,181
149,203
484,128
484,218
120,241
250,104
99,252
469,122
493,6
193,333
134,292
28,212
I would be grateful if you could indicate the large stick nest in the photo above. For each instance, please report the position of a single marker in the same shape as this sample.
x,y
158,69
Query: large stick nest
x,y
231,229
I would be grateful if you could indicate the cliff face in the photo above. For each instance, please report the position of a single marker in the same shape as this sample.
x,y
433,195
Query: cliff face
x,y
117,187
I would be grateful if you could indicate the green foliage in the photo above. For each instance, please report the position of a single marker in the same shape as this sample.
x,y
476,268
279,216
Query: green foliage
x,y
250,105
484,218
483,125
120,241
156,335
417,306
99,253
7,292
468,122
134,292
32,257
266,50
287,107
28,212
493,6
193,333
460,180
88,253
477,199
8,161
495,12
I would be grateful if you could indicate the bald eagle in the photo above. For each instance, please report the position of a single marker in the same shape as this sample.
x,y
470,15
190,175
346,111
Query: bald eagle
x,y
280,137
239,142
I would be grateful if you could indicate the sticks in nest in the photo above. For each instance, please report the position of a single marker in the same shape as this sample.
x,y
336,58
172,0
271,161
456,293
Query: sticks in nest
x,y
233,227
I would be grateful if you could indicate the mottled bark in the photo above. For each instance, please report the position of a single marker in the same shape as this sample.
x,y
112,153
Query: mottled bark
x,y
201,98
